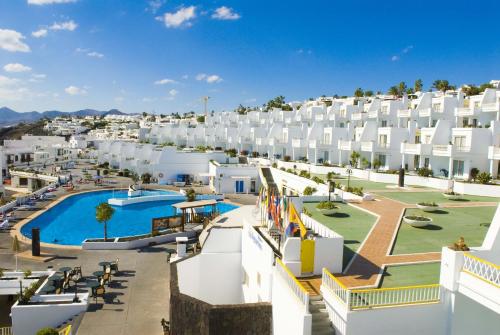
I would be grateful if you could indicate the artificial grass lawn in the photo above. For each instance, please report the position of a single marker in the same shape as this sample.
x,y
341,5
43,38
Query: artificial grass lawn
x,y
448,225
411,274
353,224
356,182
437,197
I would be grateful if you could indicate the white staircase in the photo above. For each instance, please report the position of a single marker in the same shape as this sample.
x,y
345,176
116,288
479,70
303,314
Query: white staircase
x,y
321,324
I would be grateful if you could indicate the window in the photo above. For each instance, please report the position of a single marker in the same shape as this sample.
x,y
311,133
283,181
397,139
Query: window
x,y
382,160
436,107
417,139
458,168
426,162
460,141
246,279
382,140
384,109
327,138
384,123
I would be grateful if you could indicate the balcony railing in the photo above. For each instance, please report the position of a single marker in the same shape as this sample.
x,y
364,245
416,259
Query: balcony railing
x,y
492,107
6,331
299,291
404,113
493,152
465,111
482,269
380,297
425,112
345,145
367,146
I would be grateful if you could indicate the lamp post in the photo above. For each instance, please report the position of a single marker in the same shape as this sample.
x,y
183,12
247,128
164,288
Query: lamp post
x,y
331,188
349,172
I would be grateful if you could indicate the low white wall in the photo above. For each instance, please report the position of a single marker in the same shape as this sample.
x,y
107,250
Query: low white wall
x,y
125,245
470,317
291,255
476,189
28,319
328,253
441,184
289,315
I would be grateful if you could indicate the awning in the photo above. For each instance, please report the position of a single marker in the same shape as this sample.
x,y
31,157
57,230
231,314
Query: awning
x,y
194,204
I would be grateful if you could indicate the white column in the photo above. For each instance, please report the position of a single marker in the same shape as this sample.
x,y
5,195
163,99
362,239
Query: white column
x,y
450,168
491,167
403,160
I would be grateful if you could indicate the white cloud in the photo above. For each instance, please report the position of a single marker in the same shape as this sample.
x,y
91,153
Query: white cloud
x,y
119,99
173,92
95,54
6,81
185,77
67,25
48,2
16,67
395,58
39,76
155,5
39,33
181,18
225,13
165,81
12,41
213,78
250,100
73,90
35,78
406,50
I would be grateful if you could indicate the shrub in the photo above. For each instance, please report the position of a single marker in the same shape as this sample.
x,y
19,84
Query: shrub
x,y
459,245
120,173
473,174
429,204
484,178
318,180
305,174
424,172
289,170
306,212
105,172
287,158
331,175
47,331
146,178
355,190
274,165
326,205
282,169
309,190
191,195
255,154
27,273
355,158
417,218
231,152
244,152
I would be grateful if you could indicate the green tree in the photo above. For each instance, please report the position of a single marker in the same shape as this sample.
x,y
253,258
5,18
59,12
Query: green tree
x,y
418,86
393,90
358,93
401,88
442,85
47,331
200,119
146,178
191,195
103,213
355,158
368,93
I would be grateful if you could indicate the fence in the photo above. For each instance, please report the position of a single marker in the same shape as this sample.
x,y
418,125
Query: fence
x,y
317,227
6,331
482,269
292,282
380,297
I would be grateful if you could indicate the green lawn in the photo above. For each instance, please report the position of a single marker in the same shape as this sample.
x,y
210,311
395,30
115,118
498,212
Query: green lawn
x,y
353,224
415,197
356,182
412,274
448,225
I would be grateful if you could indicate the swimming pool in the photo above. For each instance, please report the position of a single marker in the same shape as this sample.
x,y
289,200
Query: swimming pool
x,y
73,220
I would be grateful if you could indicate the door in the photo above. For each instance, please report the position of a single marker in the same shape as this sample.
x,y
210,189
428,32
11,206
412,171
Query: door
x,y
239,186
307,256
252,186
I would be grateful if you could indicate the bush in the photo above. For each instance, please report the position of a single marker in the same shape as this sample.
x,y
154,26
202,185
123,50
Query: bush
x,y
309,190
289,170
120,173
146,178
318,180
355,190
305,174
483,178
255,154
429,204
287,158
47,331
473,174
105,172
274,165
459,245
424,172
231,152
244,152
326,205
191,195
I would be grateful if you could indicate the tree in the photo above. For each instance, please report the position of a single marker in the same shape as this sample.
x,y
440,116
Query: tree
x,y
146,178
47,331
191,195
16,247
410,91
393,90
418,85
200,119
475,90
401,88
103,213
484,178
355,158
368,93
358,93
442,85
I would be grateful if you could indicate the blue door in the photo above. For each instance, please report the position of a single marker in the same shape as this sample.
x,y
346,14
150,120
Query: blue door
x,y
239,186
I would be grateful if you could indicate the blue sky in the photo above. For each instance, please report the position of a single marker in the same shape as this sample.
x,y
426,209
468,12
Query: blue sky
x,y
163,56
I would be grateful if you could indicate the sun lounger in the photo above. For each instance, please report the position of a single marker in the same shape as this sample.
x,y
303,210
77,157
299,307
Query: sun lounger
x,y
5,224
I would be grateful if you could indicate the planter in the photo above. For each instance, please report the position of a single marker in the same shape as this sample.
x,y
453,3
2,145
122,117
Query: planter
x,y
426,208
328,212
452,196
422,222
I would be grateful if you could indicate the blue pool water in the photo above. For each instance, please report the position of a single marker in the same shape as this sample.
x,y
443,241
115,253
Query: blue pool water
x,y
73,220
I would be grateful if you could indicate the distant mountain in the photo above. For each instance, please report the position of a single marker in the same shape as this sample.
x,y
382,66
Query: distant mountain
x,y
11,117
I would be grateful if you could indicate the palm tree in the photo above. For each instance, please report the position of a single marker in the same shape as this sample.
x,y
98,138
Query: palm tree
x,y
442,85
394,90
16,247
358,93
418,85
103,213
401,88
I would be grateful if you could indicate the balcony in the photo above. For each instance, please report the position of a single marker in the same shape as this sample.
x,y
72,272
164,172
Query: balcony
x,y
494,152
465,111
358,116
425,112
374,114
404,113
494,107
317,144
367,146
299,143
448,150
416,149
346,145
261,141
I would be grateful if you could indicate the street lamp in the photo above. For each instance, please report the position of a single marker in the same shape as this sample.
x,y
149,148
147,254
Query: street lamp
x,y
349,172
331,188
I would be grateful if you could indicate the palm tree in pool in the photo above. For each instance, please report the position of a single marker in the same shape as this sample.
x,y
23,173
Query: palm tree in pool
x,y
103,213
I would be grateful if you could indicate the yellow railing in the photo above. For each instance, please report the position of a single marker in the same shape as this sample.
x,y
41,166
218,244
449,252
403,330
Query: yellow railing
x,y
292,282
380,297
65,331
482,269
338,289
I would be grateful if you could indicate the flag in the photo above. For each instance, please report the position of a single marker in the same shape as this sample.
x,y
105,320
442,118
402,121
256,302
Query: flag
x,y
294,218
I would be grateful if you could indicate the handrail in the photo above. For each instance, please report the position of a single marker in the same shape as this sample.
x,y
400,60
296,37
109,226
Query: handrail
x,y
482,269
380,297
65,331
336,286
292,282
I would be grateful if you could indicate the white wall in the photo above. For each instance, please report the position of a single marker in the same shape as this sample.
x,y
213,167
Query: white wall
x,y
469,317
289,315
257,260
477,189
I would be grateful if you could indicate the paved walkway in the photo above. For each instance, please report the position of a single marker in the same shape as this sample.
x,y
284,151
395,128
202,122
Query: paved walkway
x,y
366,267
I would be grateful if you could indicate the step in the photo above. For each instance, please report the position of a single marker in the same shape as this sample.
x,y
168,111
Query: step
x,y
320,320
314,298
322,329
